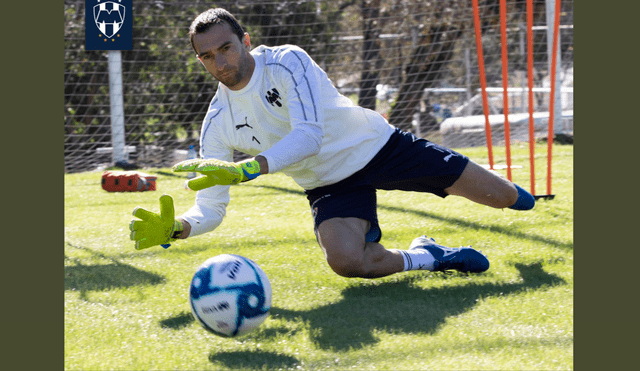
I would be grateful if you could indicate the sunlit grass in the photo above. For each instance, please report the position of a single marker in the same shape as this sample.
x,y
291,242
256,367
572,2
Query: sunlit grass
x,y
128,310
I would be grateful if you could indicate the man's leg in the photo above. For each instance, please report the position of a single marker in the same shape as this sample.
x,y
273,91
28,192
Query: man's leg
x,y
488,188
350,255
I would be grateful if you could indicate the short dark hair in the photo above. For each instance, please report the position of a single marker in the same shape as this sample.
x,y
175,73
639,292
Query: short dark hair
x,y
205,20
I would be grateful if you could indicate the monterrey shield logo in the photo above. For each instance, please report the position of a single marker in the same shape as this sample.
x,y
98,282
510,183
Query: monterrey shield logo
x,y
109,17
114,29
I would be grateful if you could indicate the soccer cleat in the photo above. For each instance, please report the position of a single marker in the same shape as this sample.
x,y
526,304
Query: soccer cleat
x,y
463,259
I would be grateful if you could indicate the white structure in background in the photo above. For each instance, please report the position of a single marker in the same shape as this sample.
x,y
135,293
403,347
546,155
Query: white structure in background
x,y
469,131
117,107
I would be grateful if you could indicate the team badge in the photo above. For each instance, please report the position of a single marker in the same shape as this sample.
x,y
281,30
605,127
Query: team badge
x,y
109,17
273,96
108,25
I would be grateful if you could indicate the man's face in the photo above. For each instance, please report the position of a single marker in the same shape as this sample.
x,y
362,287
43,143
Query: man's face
x,y
225,56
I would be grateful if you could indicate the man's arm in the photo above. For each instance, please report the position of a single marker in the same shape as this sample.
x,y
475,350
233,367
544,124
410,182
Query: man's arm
x,y
299,78
186,229
264,165
218,172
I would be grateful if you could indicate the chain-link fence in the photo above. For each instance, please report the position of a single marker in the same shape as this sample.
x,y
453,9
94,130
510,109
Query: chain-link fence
x,y
411,60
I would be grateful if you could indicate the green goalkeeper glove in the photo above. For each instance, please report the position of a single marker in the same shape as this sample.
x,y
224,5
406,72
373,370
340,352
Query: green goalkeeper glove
x,y
154,229
217,172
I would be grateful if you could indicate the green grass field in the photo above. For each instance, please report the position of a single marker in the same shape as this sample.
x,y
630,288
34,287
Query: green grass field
x,y
128,309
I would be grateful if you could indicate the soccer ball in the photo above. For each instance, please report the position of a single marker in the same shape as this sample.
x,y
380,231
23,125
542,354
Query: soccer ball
x,y
230,295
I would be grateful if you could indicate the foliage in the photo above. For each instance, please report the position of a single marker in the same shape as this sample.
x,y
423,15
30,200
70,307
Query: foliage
x,y
167,92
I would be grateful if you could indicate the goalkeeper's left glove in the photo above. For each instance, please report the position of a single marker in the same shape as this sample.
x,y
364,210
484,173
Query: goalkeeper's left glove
x,y
154,229
217,172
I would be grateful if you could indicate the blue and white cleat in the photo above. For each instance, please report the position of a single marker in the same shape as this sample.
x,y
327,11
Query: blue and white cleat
x,y
463,259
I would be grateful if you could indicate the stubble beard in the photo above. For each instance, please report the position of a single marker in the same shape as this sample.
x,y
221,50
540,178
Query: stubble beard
x,y
235,77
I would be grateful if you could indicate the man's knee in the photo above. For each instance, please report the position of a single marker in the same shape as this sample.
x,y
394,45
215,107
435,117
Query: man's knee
x,y
347,266
343,242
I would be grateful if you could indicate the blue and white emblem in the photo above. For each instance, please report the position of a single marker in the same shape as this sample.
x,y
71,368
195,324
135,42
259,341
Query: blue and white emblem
x,y
109,17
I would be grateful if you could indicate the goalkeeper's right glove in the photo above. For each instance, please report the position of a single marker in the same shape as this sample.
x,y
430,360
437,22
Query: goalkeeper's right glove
x,y
154,229
217,172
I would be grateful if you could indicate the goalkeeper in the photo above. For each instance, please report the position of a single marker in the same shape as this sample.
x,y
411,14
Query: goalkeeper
x,y
278,106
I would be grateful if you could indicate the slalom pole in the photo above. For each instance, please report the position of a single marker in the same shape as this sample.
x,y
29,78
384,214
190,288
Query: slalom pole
x,y
532,143
505,83
554,59
483,80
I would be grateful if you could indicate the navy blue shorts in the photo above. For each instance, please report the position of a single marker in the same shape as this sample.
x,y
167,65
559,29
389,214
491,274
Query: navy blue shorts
x,y
405,163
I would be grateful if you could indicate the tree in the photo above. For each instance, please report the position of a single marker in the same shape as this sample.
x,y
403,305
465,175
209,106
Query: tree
x,y
372,61
436,34
308,24
440,35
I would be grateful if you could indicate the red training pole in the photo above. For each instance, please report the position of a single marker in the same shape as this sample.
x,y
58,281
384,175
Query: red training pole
x,y
552,94
532,146
505,83
483,80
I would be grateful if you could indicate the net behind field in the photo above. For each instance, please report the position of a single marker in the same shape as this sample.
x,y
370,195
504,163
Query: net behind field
x,y
413,62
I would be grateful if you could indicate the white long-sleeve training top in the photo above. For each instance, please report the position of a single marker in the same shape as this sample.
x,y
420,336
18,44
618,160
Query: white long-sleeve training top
x,y
291,114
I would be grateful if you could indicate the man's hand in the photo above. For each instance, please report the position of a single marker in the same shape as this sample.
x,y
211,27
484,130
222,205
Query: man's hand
x,y
154,229
217,172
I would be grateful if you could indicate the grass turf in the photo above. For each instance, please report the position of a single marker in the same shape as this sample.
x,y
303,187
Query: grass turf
x,y
128,310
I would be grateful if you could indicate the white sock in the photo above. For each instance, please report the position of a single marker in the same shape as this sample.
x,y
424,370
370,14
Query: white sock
x,y
417,259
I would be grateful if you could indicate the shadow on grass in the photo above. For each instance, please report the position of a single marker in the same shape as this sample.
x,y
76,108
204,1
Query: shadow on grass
x,y
476,226
178,322
242,360
400,307
457,221
108,276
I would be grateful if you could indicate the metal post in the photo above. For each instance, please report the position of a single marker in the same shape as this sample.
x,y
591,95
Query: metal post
x,y
467,63
117,106
557,109
523,53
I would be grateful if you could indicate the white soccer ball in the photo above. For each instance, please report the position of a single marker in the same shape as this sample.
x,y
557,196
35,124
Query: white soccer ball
x,y
230,295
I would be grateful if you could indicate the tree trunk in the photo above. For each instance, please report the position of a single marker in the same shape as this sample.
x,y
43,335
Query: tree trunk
x,y
424,69
371,60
